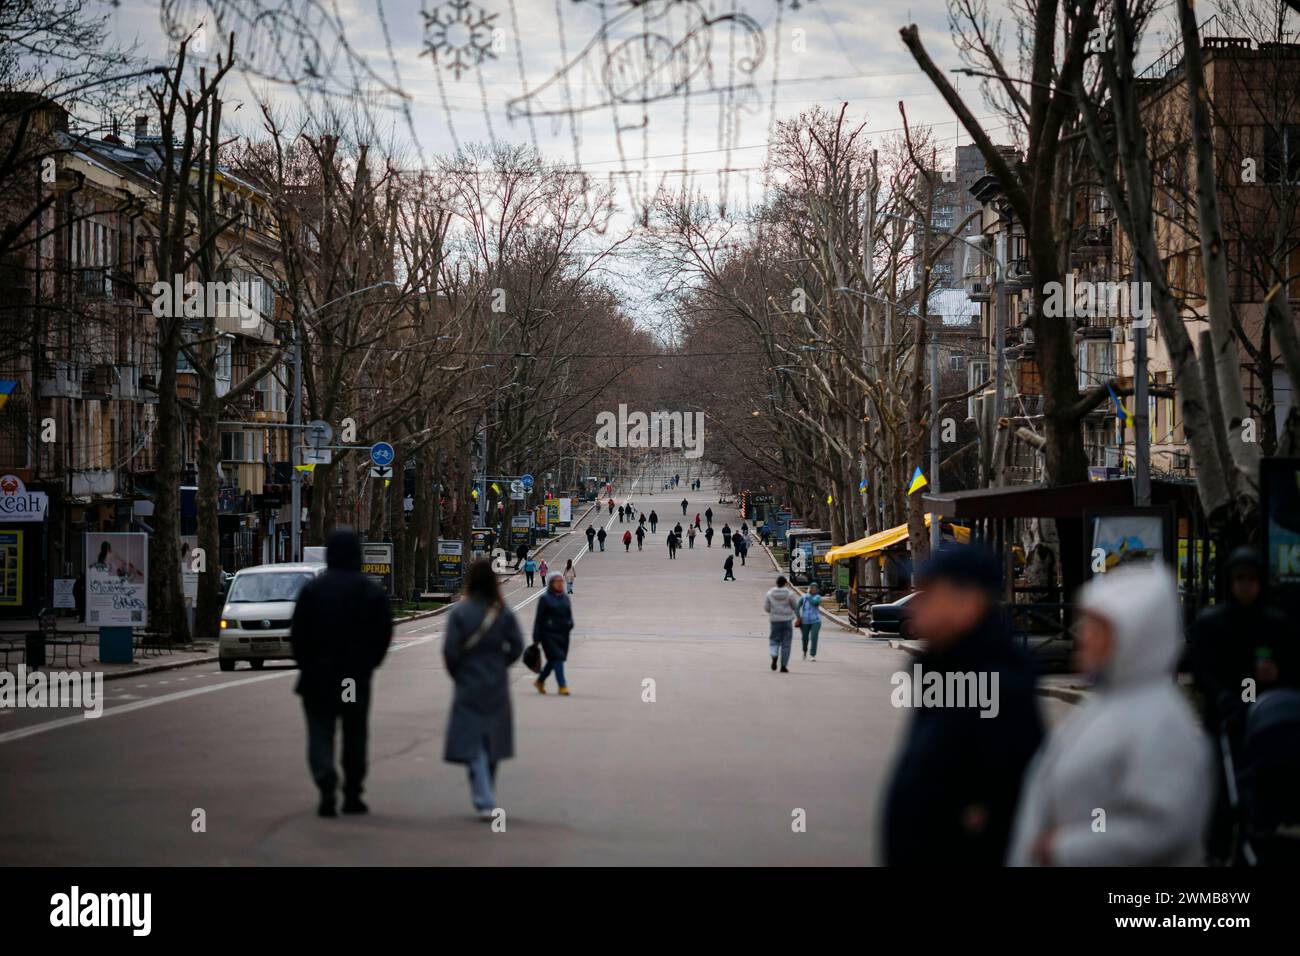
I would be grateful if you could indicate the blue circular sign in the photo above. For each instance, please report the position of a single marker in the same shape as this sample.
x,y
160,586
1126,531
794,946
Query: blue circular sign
x,y
381,453
527,482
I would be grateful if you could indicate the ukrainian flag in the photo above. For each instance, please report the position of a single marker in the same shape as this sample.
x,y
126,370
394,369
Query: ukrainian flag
x,y
918,481
862,487
496,489
304,467
1123,414
7,386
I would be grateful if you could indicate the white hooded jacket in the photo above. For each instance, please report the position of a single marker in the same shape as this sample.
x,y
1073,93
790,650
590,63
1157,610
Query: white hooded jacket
x,y
1126,780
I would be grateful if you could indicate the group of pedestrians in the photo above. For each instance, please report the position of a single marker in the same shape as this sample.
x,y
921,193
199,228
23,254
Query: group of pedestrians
x,y
1128,779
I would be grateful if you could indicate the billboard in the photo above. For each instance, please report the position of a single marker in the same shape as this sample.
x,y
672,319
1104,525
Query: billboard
x,y
377,563
117,575
451,563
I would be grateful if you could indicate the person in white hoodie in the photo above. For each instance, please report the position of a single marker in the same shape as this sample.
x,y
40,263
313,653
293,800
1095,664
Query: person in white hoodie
x,y
780,603
1126,780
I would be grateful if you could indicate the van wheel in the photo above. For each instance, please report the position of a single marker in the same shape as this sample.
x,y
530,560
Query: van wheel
x,y
226,663
256,663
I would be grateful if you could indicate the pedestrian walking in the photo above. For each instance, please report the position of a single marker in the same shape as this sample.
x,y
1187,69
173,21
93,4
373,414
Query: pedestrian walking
x,y
640,536
611,505
570,574
543,571
521,552
621,512
601,536
954,788
627,540
708,516
530,570
672,545
654,522
642,520
726,536
684,505
810,620
780,604
591,538
1133,749
728,568
690,536
708,536
340,633
738,542
551,629
677,530
697,519
481,642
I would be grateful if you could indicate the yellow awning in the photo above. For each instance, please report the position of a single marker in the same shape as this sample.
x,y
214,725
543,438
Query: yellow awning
x,y
873,544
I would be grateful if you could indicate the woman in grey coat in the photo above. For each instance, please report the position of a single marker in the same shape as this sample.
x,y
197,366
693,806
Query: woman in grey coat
x,y
482,641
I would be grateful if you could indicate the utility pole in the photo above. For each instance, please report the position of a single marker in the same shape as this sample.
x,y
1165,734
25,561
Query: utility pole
x,y
1000,323
295,480
936,536
1142,412
869,274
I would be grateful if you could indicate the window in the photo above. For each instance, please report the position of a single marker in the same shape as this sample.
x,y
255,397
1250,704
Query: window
x,y
956,363
1281,154
241,446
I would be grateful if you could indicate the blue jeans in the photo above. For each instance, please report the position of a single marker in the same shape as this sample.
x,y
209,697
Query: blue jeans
x,y
779,640
558,667
482,777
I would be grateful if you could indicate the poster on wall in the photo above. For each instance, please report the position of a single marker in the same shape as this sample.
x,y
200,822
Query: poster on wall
x,y
117,575
11,568
1125,535
377,563
189,577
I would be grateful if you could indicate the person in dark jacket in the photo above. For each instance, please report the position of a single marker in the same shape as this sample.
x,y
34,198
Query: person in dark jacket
x,y
738,542
708,516
621,513
340,633
728,567
601,536
685,504
591,538
954,789
551,629
521,553
672,545
483,639
654,522
726,536
640,536
1238,648
708,536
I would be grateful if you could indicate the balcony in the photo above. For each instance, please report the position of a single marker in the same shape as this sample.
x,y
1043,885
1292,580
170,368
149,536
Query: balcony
x,y
95,283
97,381
1091,243
980,292
1095,326
60,380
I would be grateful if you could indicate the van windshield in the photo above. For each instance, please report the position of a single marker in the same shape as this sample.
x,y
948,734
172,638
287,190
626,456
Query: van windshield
x,y
273,586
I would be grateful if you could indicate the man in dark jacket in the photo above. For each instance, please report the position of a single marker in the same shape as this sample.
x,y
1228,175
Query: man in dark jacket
x,y
601,536
640,536
340,633
708,516
591,538
672,545
708,536
551,628
521,553
654,522
738,542
952,798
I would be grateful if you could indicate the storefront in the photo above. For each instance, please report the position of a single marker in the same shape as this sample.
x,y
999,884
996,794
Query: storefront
x,y
24,548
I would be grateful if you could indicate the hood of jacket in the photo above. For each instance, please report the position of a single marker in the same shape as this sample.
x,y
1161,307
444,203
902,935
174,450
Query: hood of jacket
x,y
343,550
1140,601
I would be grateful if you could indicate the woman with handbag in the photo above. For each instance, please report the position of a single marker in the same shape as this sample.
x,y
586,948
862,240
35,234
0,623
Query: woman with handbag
x,y
483,639
551,630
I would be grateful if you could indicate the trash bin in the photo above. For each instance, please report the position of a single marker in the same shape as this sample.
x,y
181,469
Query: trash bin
x,y
35,649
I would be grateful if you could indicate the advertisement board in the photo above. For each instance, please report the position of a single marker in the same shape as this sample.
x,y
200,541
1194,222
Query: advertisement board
x,y
451,564
377,563
520,532
117,575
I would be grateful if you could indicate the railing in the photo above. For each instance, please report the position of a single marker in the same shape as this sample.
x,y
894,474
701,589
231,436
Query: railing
x,y
1172,58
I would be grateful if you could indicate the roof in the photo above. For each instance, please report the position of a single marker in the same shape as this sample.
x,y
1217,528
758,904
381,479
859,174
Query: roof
x,y
873,544
1061,501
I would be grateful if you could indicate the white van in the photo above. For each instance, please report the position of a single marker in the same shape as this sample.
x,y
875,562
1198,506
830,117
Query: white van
x,y
259,609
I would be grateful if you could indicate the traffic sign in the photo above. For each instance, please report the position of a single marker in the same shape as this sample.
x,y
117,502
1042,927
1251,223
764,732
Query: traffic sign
x,y
316,456
381,453
319,433
527,482
381,471
516,489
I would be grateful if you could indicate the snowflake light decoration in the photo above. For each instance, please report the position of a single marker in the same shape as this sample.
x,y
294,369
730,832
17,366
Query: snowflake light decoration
x,y
459,32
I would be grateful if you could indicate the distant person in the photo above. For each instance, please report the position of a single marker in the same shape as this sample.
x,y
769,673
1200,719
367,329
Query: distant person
x,y
684,505
690,536
697,519
611,505
953,791
780,603
601,536
621,512
708,516
627,540
672,545
481,642
728,568
640,536
738,542
677,530
810,620
521,553
708,536
591,538
530,570
543,571
726,536
340,633
642,520
570,574
654,522
1133,750
551,629
765,534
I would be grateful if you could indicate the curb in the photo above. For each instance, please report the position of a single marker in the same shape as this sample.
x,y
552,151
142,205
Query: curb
x,y
156,668
1067,694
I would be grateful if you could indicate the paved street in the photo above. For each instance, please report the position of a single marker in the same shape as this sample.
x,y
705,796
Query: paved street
x,y
710,772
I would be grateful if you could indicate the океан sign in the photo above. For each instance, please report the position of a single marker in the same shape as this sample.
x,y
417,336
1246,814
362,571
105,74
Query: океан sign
x,y
19,504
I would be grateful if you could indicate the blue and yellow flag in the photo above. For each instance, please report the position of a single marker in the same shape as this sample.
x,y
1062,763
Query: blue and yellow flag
x,y
304,467
1123,414
862,487
7,386
918,481
496,489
